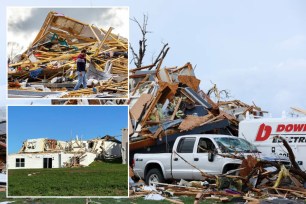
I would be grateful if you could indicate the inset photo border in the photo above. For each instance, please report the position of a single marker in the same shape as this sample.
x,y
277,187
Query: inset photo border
x,y
67,52
60,151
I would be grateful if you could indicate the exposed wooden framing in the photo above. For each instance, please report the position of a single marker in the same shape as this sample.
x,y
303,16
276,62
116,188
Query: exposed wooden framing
x,y
117,40
95,34
42,31
103,41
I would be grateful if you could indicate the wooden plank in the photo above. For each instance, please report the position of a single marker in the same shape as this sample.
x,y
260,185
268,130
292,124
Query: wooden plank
x,y
137,108
192,121
103,41
190,81
176,108
141,144
95,34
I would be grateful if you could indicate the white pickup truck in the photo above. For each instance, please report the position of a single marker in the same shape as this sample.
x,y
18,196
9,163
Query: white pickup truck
x,y
203,151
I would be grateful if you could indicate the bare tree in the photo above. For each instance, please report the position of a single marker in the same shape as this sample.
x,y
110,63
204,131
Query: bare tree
x,y
223,94
13,49
139,57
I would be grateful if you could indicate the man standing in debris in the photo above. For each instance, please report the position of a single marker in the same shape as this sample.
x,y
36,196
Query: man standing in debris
x,y
81,68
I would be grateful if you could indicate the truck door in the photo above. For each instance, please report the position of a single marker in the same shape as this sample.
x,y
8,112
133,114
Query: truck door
x,y
204,146
180,169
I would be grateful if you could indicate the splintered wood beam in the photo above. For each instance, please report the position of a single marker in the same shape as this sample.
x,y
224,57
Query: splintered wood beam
x,y
140,68
95,34
176,108
117,40
103,40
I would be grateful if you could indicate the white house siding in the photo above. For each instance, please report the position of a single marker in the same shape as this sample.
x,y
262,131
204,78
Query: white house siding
x,y
36,161
112,148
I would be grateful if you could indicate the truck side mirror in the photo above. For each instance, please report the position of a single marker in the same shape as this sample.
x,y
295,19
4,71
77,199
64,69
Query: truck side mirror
x,y
211,156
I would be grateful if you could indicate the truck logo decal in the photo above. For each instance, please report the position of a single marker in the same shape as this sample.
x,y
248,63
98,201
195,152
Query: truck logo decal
x,y
263,133
291,128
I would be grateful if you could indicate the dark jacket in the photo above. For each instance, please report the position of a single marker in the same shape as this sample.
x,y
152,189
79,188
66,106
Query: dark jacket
x,y
81,63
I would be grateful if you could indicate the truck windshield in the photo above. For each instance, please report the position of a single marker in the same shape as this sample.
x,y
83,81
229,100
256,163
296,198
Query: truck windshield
x,y
231,145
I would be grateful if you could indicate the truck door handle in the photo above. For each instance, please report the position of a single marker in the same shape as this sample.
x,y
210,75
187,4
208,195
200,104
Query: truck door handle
x,y
175,159
196,159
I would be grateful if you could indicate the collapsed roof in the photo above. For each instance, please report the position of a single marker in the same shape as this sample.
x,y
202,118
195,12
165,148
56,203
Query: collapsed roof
x,y
105,148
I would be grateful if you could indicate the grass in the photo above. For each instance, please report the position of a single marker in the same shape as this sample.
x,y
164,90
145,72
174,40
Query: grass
x,y
99,179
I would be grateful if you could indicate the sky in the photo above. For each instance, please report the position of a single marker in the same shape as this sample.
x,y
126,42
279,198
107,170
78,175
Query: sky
x,y
254,49
24,23
63,123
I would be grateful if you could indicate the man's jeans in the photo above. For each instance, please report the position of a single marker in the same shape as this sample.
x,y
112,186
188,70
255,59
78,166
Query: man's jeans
x,y
81,80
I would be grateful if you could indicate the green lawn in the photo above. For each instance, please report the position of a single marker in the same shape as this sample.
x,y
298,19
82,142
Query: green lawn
x,y
99,179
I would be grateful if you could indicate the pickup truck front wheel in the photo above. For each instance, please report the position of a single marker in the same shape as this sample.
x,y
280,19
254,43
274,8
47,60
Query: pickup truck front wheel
x,y
154,175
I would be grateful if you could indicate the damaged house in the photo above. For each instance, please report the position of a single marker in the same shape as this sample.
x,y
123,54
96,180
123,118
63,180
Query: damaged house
x,y
48,67
166,103
51,153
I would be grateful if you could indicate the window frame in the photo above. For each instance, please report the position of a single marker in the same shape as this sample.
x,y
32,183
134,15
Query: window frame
x,y
20,162
181,143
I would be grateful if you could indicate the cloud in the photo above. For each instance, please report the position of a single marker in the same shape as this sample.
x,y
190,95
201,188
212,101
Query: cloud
x,y
293,42
25,23
118,19
16,15
272,87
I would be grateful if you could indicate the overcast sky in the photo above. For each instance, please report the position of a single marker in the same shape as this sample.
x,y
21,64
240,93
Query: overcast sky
x,y
25,23
255,49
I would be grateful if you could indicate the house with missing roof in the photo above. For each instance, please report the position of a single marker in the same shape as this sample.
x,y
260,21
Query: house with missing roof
x,y
50,153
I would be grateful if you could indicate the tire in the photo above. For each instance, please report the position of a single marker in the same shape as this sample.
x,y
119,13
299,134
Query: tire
x,y
154,175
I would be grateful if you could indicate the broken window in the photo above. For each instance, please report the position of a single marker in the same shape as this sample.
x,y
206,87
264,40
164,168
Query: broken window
x,y
186,145
231,145
20,162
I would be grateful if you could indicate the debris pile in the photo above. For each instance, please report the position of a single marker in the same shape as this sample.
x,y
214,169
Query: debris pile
x,y
255,180
167,102
49,64
239,109
88,101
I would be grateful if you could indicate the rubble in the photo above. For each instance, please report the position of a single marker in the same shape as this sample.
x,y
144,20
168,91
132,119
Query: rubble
x,y
166,103
257,180
49,66
88,101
